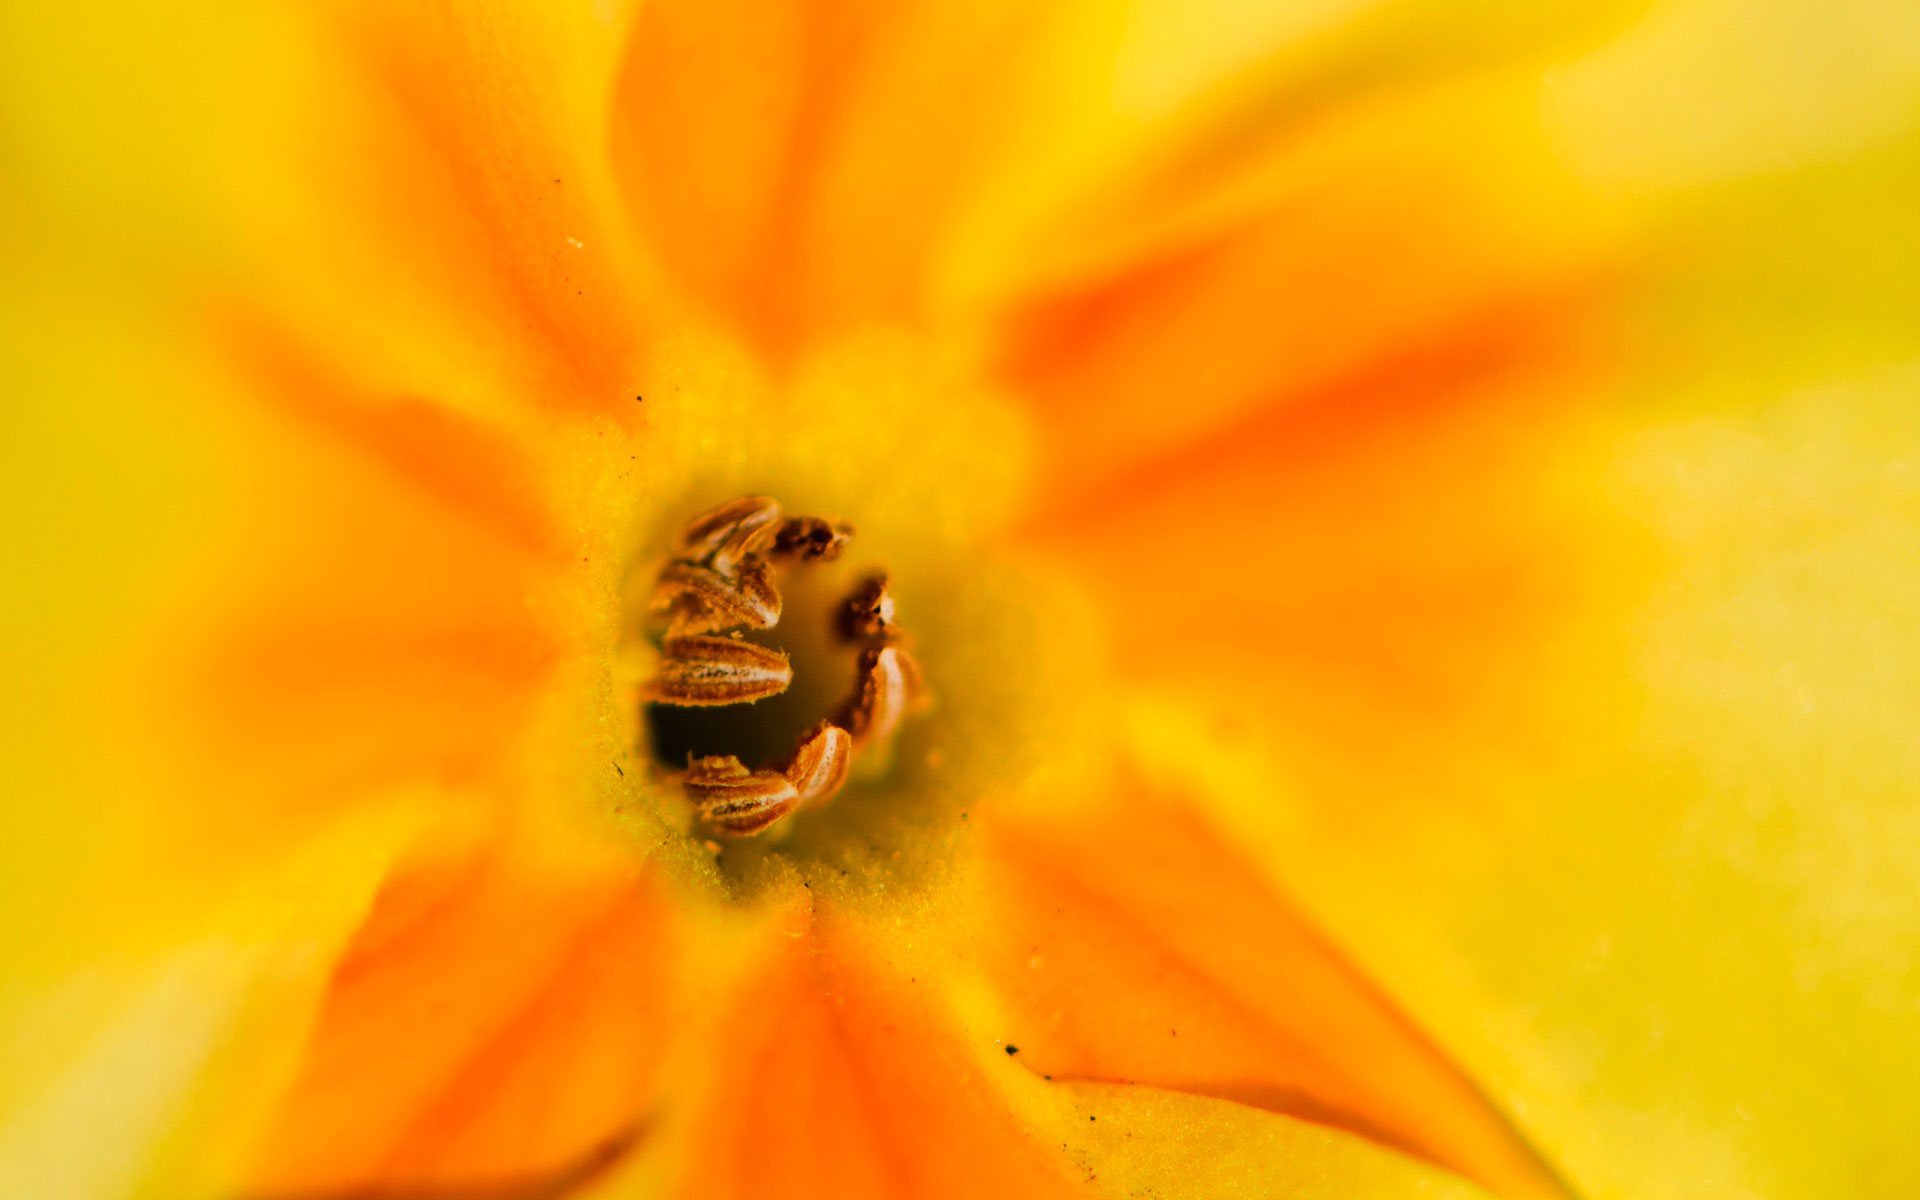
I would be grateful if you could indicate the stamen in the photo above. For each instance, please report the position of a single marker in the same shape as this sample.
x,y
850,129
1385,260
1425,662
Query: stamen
x,y
819,766
701,599
721,580
702,670
735,800
868,612
812,539
722,536
889,686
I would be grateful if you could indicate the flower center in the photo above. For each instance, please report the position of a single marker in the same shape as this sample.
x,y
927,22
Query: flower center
x,y
757,627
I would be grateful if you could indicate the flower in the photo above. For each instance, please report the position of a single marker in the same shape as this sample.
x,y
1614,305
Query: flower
x,y
1407,502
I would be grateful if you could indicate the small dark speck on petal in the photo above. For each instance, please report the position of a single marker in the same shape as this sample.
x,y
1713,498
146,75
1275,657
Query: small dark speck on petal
x,y
1013,1050
616,767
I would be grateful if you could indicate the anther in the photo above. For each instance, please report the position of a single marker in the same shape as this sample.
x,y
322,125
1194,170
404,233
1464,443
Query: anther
x,y
812,539
819,765
868,612
721,578
703,670
721,537
887,687
702,599
735,800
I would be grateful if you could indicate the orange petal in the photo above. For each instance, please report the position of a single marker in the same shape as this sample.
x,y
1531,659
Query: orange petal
x,y
367,643
1337,276
381,616
480,470
1382,551
495,1023
840,1080
794,160
1134,947
445,208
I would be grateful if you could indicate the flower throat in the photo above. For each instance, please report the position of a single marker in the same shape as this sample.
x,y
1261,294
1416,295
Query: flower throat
x,y
730,691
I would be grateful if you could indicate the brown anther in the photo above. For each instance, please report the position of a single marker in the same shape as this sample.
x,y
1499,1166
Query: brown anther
x,y
721,537
734,800
702,600
888,688
722,577
819,766
703,670
868,611
812,539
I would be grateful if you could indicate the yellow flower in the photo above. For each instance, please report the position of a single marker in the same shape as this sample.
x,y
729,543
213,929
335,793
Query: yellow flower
x,y
1409,500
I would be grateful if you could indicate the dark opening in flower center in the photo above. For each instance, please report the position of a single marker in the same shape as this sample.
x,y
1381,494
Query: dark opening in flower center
x,y
774,672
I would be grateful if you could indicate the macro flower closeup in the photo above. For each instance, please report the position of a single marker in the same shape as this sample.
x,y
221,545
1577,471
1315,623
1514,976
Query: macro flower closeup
x,y
801,598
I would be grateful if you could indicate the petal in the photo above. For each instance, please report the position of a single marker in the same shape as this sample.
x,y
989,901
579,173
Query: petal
x,y
1130,945
1392,551
1145,1141
840,1079
486,143
495,1020
362,637
277,601
1152,124
143,1068
426,194
1608,763
1335,287
468,463
794,160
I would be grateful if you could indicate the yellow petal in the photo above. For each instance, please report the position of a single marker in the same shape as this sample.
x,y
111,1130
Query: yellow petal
x,y
1325,303
1148,125
1605,762
795,162
140,1062
1143,1141
427,194
495,1021
839,1078
1129,945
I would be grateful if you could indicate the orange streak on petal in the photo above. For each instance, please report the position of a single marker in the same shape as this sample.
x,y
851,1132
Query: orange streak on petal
x,y
493,1023
719,116
327,709
1365,264
478,184
384,613
840,1081
1135,947
794,161
1361,556
1451,369
471,466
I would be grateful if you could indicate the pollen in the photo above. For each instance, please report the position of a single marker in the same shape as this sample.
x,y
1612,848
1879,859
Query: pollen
x,y
720,587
